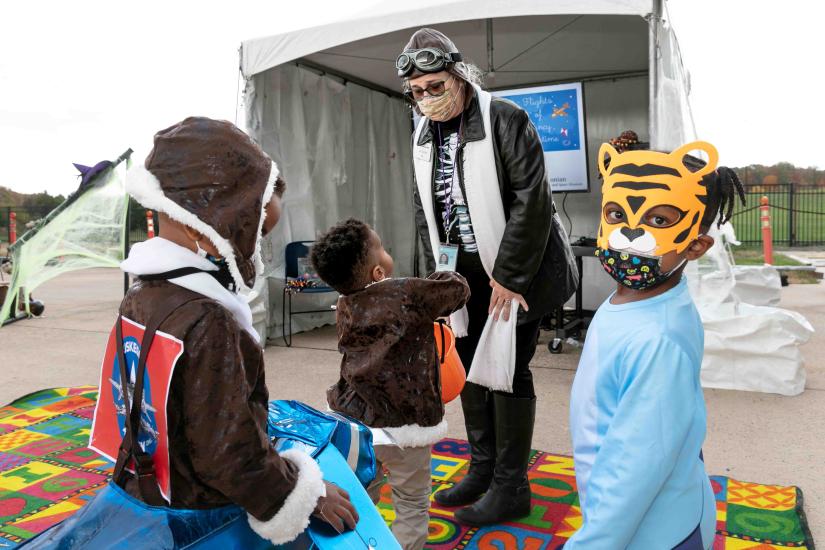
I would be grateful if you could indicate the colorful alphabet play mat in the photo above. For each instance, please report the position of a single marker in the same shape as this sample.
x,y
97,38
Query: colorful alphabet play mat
x,y
47,473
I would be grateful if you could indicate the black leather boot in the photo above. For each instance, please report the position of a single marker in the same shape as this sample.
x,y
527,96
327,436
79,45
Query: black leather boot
x,y
477,405
509,495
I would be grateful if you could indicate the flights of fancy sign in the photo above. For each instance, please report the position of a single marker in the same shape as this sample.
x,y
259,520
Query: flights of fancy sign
x,y
109,423
557,112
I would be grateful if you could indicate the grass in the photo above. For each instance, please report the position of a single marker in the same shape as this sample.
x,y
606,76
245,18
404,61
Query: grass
x,y
803,277
752,256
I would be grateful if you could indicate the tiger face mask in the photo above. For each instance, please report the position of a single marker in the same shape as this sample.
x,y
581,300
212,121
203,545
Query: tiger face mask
x,y
652,204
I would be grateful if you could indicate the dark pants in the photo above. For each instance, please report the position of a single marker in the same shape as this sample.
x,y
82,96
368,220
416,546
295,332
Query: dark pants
x,y
469,265
693,540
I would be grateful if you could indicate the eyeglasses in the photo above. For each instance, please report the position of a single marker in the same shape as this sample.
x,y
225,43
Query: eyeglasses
x,y
426,60
434,89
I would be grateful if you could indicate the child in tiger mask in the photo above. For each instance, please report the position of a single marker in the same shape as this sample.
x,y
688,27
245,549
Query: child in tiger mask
x,y
637,412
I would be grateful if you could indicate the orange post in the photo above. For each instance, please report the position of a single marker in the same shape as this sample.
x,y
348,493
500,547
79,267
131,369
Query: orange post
x,y
767,233
150,225
12,228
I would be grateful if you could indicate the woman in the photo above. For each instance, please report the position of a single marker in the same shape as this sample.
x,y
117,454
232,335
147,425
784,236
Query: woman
x,y
482,197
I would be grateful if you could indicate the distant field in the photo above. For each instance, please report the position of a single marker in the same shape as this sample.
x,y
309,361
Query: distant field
x,y
809,228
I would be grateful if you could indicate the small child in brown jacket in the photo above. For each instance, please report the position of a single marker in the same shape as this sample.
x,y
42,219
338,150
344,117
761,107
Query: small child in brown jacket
x,y
390,372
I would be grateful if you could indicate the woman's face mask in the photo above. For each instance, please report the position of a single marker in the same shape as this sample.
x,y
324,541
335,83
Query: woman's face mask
x,y
440,107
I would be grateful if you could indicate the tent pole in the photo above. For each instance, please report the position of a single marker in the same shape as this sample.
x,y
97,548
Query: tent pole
x,y
322,70
611,76
490,67
653,20
126,246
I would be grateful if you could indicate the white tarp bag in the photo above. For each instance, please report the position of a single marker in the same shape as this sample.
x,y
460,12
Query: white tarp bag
x,y
754,348
747,347
758,285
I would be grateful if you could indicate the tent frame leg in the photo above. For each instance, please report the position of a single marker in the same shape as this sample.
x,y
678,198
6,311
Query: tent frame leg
x,y
653,20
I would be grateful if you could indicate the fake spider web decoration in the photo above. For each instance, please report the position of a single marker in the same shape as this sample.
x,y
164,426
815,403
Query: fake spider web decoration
x,y
87,230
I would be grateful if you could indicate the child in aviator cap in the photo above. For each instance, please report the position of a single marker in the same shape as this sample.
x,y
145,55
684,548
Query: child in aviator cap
x,y
217,193
637,412
389,372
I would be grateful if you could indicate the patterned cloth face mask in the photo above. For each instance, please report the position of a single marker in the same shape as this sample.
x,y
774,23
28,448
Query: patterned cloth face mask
x,y
634,271
635,182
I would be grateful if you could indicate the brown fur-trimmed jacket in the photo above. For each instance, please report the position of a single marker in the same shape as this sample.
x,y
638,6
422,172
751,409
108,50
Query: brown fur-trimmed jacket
x,y
390,372
217,407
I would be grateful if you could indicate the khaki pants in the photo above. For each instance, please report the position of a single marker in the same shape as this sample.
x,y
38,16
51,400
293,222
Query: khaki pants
x,y
409,478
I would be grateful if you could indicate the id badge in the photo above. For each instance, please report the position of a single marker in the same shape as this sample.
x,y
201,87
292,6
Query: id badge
x,y
424,152
447,257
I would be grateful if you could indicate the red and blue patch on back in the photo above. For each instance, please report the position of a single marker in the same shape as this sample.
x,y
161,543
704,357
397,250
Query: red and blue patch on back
x,y
108,424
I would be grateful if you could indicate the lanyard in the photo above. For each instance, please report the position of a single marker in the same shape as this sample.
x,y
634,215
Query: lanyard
x,y
446,216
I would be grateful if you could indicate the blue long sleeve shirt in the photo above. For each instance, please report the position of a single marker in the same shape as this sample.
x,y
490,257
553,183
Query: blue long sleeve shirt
x,y
638,421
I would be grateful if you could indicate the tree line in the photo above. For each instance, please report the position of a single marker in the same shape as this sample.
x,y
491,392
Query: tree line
x,y
782,172
29,200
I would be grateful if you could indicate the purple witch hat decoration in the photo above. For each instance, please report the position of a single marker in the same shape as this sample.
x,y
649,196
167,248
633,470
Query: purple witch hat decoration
x,y
89,172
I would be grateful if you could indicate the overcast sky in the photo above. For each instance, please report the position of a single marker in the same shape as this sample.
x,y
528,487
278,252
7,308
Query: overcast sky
x,y
82,81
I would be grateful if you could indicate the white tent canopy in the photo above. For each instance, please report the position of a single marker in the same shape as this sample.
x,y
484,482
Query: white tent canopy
x,y
325,103
261,54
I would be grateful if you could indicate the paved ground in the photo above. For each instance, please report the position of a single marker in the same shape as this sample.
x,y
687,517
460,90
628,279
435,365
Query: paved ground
x,y
751,436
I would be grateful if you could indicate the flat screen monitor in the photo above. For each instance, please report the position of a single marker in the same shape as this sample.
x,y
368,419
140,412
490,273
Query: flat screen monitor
x,y
557,112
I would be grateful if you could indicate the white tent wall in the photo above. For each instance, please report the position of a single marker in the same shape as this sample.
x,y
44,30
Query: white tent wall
x,y
344,152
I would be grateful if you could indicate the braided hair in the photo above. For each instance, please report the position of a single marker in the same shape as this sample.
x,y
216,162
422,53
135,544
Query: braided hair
x,y
627,141
723,186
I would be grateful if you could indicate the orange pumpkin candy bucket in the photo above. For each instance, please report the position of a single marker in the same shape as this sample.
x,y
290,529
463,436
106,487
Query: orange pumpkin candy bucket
x,y
452,370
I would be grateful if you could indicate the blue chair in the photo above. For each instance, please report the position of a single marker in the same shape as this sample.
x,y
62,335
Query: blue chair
x,y
296,251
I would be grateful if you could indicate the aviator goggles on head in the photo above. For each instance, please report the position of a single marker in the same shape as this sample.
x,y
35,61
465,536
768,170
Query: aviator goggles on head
x,y
426,60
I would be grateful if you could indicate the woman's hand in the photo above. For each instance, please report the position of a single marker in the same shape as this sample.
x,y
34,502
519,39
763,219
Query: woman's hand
x,y
336,509
501,299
